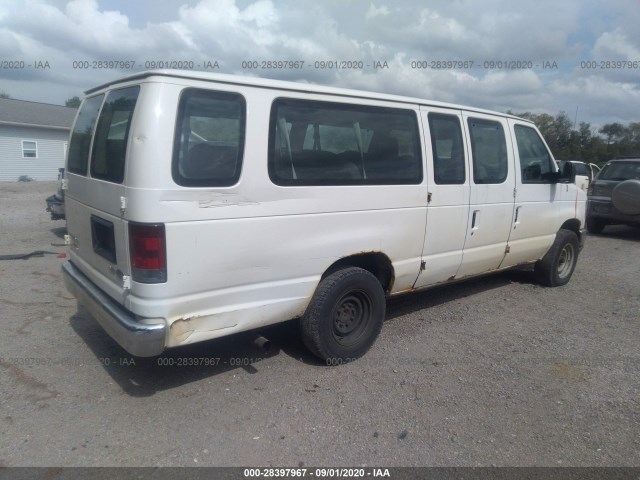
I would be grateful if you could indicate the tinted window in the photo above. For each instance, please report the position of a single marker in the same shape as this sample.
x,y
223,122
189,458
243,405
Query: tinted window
x,y
81,135
448,153
580,169
209,139
489,151
320,143
535,161
620,171
112,134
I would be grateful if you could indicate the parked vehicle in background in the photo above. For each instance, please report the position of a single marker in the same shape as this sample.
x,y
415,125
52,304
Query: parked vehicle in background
x,y
55,203
614,195
592,170
580,171
201,205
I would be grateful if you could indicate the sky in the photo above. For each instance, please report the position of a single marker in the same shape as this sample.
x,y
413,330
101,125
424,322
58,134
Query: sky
x,y
543,56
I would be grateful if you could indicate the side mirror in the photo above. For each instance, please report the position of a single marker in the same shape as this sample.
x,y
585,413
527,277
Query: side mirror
x,y
566,174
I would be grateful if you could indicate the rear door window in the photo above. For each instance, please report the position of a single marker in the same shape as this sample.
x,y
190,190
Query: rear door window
x,y
209,140
112,135
81,135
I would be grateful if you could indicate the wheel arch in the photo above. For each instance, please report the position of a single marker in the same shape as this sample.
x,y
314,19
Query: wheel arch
x,y
377,263
574,225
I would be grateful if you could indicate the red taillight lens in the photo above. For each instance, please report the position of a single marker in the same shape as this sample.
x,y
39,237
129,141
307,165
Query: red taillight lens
x,y
148,252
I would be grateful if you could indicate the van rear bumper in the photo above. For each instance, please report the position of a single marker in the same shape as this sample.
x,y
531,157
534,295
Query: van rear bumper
x,y
140,339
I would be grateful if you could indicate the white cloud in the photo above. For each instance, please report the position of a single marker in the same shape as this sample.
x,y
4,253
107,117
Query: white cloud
x,y
600,100
262,13
615,45
231,31
376,11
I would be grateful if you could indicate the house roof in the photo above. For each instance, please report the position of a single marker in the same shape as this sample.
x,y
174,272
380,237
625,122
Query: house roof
x,y
21,112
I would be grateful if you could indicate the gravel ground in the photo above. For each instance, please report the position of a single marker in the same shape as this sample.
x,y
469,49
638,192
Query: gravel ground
x,y
496,371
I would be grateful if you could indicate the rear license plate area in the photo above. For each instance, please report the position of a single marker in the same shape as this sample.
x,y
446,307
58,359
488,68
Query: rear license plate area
x,y
103,238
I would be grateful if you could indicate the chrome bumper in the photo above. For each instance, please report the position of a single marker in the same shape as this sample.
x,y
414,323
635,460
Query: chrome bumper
x,y
140,339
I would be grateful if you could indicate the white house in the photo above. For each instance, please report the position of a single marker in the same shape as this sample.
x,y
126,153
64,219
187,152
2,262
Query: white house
x,y
33,139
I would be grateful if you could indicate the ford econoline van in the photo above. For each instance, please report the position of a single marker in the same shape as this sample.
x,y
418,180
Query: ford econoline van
x,y
201,205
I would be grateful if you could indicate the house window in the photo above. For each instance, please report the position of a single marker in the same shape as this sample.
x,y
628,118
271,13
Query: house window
x,y
29,149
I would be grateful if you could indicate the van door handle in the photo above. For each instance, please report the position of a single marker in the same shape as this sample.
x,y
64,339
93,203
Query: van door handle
x,y
475,220
515,220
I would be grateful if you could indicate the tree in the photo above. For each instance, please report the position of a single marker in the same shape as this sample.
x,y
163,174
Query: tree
x,y
612,131
584,143
73,102
634,134
562,126
3,94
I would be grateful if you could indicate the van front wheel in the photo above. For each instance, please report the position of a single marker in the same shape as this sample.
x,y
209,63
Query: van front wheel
x,y
344,317
557,266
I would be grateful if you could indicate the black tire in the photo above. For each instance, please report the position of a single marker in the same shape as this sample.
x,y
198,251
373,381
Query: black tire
x,y
344,317
557,266
595,225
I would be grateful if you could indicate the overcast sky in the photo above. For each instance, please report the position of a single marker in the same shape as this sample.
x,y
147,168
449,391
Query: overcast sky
x,y
569,37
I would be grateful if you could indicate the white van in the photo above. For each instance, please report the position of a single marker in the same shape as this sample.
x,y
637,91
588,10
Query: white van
x,y
202,205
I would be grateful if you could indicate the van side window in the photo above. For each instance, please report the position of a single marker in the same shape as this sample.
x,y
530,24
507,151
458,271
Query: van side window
x,y
535,161
448,152
112,134
81,136
321,143
489,151
209,139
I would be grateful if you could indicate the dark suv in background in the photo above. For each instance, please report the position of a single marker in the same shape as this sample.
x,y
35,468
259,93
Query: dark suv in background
x,y
614,195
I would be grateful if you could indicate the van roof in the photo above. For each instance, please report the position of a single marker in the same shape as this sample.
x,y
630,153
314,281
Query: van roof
x,y
261,82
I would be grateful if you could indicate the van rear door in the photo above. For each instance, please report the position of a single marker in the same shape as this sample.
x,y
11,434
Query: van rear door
x,y
96,195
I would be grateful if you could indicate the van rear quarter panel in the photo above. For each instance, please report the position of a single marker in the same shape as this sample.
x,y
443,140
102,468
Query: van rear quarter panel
x,y
252,254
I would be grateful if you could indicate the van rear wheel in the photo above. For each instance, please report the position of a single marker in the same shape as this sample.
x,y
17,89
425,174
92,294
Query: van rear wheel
x,y
557,266
345,316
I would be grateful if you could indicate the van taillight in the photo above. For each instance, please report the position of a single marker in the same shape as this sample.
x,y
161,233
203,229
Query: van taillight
x,y
148,252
